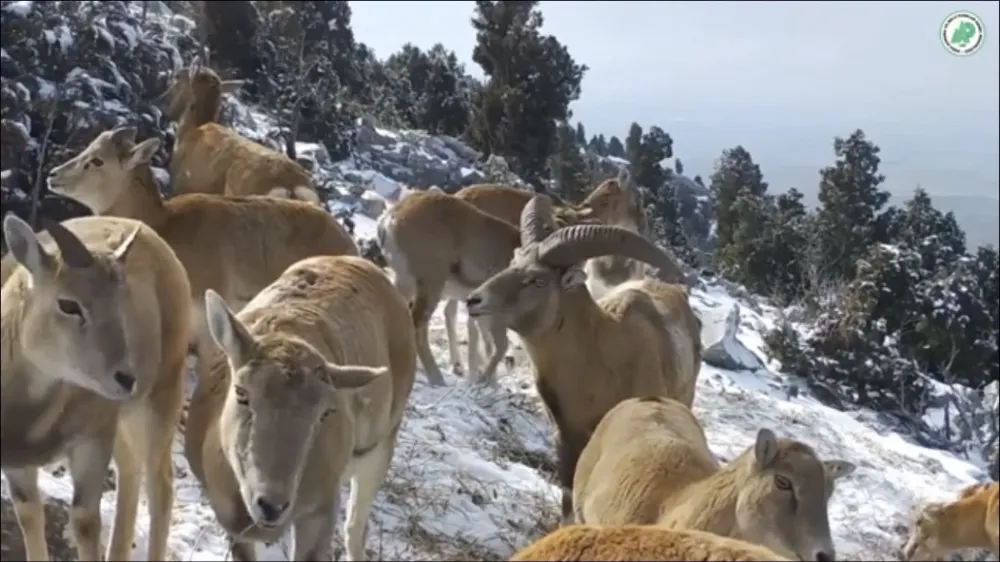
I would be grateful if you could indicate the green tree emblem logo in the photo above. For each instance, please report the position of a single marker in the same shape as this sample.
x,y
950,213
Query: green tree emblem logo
x,y
963,33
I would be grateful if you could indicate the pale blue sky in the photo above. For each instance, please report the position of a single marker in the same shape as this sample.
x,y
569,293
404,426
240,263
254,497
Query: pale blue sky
x,y
781,78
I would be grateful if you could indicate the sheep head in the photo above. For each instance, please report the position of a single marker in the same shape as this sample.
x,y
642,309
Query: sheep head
x,y
197,84
526,294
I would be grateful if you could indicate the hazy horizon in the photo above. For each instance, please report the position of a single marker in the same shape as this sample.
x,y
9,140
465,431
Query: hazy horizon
x,y
768,77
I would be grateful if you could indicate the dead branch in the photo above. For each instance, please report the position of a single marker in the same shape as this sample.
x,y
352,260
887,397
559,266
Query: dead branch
x,y
36,190
300,85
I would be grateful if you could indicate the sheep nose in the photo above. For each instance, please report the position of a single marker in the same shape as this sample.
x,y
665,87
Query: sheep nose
x,y
125,380
473,301
822,556
270,510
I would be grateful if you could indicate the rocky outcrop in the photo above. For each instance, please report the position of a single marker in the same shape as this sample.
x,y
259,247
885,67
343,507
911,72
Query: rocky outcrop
x,y
726,351
415,158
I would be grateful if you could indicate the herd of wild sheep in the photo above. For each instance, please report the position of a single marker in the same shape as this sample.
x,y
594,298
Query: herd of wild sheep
x,y
307,353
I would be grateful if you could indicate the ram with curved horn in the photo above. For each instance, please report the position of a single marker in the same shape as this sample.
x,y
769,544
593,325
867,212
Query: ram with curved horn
x,y
606,204
640,339
212,158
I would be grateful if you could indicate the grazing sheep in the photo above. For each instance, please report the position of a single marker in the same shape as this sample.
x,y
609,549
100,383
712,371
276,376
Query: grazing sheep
x,y
972,521
439,246
639,543
95,338
211,158
641,339
233,245
308,392
648,463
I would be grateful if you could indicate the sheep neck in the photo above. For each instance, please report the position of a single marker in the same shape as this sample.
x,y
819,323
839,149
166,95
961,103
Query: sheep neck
x,y
141,200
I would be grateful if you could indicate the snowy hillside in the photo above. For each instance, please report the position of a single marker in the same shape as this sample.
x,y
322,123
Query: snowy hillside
x,y
472,477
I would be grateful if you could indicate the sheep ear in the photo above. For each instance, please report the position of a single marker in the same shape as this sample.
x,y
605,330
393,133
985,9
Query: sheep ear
x,y
25,247
228,332
123,136
142,153
766,448
839,469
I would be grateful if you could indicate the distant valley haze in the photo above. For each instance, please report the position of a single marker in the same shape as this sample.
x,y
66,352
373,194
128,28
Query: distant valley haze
x,y
780,78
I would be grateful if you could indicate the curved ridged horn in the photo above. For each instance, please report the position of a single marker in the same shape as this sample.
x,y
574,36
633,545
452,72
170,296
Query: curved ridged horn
x,y
575,244
74,253
537,220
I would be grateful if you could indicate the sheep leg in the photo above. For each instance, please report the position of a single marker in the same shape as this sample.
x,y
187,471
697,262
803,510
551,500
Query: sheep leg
x,y
498,333
450,312
157,427
314,534
128,478
369,474
472,327
423,307
488,344
567,450
88,467
242,551
23,483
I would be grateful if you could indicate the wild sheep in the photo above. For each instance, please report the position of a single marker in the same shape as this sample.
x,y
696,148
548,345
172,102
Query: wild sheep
x,y
641,339
439,246
95,336
607,203
233,245
648,463
972,521
620,203
640,543
505,203
212,158
309,390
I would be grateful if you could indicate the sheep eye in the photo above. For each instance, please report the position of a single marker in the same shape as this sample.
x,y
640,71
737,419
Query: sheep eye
x,y
326,414
782,483
97,162
538,282
241,397
69,307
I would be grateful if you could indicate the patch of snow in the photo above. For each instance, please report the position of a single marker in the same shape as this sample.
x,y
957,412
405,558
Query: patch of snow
x,y
21,8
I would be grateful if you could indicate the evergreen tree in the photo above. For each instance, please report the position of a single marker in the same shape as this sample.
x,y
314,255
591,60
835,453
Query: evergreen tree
x,y
735,174
567,167
531,79
918,221
616,148
633,143
850,201
678,167
598,145
581,134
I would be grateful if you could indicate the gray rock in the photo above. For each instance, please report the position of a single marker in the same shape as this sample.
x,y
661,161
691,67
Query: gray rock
x,y
463,150
727,352
57,533
371,204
